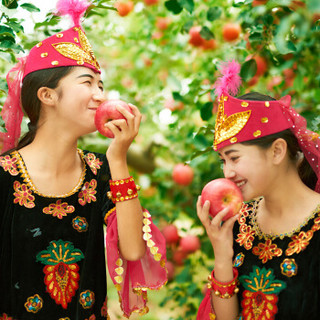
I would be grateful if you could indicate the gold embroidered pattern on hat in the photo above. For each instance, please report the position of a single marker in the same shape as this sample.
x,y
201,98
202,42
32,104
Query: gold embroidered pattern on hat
x,y
227,127
81,54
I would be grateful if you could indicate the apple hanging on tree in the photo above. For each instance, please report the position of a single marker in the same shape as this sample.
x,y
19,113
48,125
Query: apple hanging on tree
x,y
108,111
182,174
222,193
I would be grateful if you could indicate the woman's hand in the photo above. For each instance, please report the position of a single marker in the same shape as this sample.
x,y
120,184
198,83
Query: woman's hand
x,y
219,231
124,130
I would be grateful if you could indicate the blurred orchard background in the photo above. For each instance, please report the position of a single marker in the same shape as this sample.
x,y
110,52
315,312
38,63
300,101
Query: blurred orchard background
x,y
162,55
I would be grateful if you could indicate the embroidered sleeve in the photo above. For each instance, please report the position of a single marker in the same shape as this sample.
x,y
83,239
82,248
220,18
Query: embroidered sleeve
x,y
133,278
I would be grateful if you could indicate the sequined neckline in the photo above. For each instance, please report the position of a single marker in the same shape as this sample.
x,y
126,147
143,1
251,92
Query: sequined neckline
x,y
27,179
273,236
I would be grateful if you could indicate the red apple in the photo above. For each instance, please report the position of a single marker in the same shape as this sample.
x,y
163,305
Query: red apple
x,y
231,31
189,244
162,23
179,256
124,7
222,193
170,232
195,38
182,174
150,2
108,111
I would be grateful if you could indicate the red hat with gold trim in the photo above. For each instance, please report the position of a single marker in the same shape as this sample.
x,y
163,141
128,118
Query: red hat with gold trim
x,y
241,120
67,48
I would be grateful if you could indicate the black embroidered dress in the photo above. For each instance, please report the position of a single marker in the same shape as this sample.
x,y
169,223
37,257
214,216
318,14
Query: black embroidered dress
x,y
52,261
279,274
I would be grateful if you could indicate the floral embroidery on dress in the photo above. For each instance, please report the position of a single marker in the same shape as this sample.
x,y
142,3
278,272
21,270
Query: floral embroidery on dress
x,y
93,162
92,317
246,236
87,299
59,209
104,309
238,260
266,251
80,224
87,193
61,270
23,195
260,296
4,316
299,242
34,303
8,163
289,267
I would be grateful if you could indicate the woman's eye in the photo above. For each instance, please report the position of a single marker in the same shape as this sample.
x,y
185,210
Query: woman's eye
x,y
234,158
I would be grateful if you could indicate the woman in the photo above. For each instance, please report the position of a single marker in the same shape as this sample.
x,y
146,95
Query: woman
x,y
54,197
266,257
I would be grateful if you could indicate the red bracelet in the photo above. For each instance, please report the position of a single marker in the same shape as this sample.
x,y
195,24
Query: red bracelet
x,y
224,290
122,190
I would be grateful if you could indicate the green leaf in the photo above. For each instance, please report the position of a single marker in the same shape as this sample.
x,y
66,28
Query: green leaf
x,y
30,7
6,31
3,87
173,6
214,13
187,26
206,111
281,38
248,69
17,27
206,33
298,83
10,4
187,4
6,44
177,96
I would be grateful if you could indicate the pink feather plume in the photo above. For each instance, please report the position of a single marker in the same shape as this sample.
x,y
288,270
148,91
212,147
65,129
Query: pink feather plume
x,y
74,8
230,79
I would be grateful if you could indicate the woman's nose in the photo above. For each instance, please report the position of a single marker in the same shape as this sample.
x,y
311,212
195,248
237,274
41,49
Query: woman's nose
x,y
99,95
228,172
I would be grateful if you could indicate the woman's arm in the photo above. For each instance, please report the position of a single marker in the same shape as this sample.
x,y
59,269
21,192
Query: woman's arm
x,y
129,213
221,237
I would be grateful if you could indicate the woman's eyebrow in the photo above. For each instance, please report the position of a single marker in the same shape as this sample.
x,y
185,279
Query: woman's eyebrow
x,y
228,152
85,75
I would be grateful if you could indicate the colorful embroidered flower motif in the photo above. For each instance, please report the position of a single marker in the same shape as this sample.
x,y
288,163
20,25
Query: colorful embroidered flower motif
x,y
299,242
8,163
87,193
4,316
23,195
92,317
67,318
93,162
266,251
58,209
246,236
289,267
34,303
87,299
261,294
238,260
80,224
61,270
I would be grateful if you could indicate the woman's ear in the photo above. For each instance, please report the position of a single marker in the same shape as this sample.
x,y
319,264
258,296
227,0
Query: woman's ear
x,y
47,96
279,150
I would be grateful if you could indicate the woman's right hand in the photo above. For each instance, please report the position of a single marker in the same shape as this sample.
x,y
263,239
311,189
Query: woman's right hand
x,y
219,232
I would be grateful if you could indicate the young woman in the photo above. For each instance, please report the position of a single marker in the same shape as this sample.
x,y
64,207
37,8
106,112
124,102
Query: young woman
x,y
267,264
54,198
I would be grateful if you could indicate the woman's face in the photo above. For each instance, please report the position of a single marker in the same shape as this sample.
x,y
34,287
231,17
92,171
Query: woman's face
x,y
250,167
78,96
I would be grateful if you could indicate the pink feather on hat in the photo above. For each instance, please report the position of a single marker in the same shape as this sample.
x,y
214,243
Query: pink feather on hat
x,y
230,80
74,8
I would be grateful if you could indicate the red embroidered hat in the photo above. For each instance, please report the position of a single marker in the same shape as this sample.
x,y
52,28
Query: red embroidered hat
x,y
67,48
241,120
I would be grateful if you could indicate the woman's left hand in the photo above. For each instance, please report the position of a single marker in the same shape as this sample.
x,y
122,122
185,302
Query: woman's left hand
x,y
124,130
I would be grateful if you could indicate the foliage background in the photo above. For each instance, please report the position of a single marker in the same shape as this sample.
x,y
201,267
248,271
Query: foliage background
x,y
147,66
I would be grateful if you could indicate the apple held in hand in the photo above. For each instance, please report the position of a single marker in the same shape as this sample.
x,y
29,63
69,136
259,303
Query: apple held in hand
x,y
107,111
222,193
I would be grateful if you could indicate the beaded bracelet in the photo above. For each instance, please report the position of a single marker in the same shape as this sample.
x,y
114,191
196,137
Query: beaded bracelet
x,y
122,190
224,290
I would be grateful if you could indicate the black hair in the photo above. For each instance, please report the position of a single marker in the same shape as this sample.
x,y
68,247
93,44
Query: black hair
x,y
31,104
306,173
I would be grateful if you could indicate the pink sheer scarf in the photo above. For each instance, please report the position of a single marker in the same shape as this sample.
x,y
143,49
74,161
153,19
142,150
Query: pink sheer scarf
x,y
12,111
